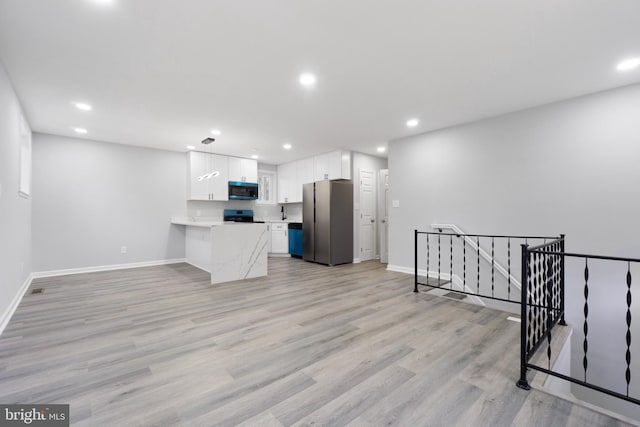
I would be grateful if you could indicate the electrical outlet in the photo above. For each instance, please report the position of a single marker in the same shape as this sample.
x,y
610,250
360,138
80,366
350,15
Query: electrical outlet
x,y
123,250
395,204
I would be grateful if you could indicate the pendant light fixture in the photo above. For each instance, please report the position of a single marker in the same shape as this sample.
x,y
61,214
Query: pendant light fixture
x,y
212,174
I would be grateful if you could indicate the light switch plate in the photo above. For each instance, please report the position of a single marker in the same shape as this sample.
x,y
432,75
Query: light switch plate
x,y
395,203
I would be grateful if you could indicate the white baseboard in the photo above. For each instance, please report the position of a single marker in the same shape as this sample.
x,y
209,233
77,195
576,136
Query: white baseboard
x,y
434,275
406,270
198,266
357,260
6,316
52,273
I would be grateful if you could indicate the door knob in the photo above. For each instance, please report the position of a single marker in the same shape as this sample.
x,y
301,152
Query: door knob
x,y
373,220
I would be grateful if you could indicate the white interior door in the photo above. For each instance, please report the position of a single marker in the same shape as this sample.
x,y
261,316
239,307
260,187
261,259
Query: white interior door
x,y
383,215
367,219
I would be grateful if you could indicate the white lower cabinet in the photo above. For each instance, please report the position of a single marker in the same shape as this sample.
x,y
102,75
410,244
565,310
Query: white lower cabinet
x,y
279,238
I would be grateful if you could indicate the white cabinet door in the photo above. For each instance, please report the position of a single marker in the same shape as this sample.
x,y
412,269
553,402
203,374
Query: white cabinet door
x,y
305,176
321,167
333,165
219,186
268,224
339,165
198,185
243,170
208,176
287,176
279,238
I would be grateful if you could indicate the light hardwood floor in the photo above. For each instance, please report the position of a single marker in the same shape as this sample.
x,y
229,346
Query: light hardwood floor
x,y
307,345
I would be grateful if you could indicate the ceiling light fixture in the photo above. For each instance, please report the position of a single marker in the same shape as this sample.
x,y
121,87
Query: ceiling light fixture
x,y
287,146
80,130
82,106
215,132
307,79
381,149
254,156
628,64
190,147
412,123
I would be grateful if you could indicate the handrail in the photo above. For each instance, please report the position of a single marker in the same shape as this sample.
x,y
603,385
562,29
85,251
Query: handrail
x,y
482,252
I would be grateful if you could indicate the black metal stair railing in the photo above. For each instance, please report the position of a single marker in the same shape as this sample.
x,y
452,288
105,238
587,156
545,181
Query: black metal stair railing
x,y
452,261
542,307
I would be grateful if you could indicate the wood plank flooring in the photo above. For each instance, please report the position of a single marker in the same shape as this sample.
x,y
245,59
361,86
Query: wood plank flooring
x,y
307,345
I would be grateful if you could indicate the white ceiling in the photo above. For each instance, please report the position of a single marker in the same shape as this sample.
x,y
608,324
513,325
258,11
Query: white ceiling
x,y
162,73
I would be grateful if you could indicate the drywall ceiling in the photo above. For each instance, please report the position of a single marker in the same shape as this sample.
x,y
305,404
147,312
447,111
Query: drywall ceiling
x,y
163,73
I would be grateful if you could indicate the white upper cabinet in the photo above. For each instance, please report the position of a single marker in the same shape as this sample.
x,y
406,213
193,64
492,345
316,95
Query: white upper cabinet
x,y
305,171
208,176
243,170
333,165
287,180
293,175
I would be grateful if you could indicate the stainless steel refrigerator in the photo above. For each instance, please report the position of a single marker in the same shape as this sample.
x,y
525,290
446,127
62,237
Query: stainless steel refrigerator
x,y
327,222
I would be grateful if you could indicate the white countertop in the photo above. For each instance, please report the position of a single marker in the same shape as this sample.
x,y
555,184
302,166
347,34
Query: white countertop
x,y
210,222
196,222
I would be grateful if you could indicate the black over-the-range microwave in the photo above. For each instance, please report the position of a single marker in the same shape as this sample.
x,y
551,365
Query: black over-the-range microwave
x,y
243,190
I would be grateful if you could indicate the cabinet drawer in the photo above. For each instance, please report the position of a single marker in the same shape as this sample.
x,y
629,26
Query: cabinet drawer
x,y
278,227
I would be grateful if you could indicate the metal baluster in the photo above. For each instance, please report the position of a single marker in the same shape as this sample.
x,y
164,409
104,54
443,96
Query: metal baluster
x,y
451,262
415,259
509,268
536,298
428,235
585,327
464,264
493,262
438,260
548,273
478,250
628,355
532,300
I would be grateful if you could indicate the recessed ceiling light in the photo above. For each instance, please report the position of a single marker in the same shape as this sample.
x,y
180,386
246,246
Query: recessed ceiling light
x,y
82,106
412,123
381,149
190,147
254,156
105,2
628,64
80,130
307,79
215,132
287,146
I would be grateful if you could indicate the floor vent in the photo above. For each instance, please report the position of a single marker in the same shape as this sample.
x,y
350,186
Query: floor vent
x,y
455,295
37,291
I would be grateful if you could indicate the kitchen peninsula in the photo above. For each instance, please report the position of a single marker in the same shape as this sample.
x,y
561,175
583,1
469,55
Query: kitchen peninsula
x,y
229,251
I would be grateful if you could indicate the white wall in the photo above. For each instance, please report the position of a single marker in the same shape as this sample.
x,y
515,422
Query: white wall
x,y
372,163
570,167
90,198
15,211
